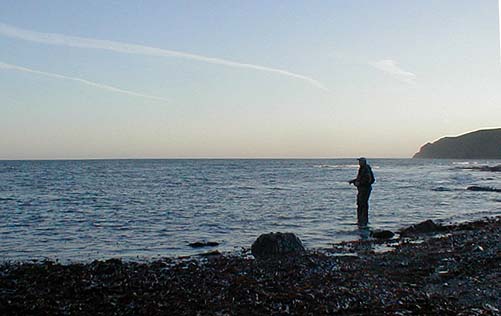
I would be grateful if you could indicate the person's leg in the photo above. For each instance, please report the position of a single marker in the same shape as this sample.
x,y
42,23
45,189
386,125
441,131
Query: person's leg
x,y
363,206
364,215
365,212
360,206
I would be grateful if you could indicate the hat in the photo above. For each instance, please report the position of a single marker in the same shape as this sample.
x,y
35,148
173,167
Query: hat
x,y
361,159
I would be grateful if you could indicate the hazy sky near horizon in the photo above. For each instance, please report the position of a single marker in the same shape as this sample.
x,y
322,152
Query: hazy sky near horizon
x,y
173,79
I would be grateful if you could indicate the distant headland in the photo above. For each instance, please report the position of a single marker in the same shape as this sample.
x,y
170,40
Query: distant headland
x,y
482,144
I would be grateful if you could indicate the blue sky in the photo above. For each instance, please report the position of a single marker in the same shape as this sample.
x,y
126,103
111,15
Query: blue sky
x,y
397,74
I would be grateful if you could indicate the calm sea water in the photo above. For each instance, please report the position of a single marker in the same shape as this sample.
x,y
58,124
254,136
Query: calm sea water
x,y
84,210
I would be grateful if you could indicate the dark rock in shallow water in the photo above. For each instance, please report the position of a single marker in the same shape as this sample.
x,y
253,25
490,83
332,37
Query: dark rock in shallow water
x,y
276,244
482,189
441,189
492,169
200,244
382,234
427,226
484,168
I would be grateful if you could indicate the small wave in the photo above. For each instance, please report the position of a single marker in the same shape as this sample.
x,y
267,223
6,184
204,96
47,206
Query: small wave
x,y
285,225
278,189
246,188
345,188
442,189
337,166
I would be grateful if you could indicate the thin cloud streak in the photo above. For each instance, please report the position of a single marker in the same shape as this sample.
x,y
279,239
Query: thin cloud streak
x,y
82,42
392,68
6,66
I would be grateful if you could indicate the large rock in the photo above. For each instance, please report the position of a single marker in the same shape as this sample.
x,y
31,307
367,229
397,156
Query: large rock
x,y
276,244
382,234
425,227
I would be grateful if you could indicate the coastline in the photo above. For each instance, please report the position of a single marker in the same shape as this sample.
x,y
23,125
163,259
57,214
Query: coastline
x,y
453,273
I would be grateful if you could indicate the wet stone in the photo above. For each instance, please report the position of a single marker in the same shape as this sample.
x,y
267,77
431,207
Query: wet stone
x,y
425,227
276,244
382,234
200,244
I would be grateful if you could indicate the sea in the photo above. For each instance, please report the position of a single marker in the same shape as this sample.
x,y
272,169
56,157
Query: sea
x,y
82,210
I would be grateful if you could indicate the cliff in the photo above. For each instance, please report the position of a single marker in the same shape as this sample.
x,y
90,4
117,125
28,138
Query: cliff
x,y
482,144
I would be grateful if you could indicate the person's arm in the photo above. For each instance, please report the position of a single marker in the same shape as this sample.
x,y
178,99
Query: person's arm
x,y
355,181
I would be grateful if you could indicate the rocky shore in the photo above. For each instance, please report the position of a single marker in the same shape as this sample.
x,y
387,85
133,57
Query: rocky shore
x,y
457,272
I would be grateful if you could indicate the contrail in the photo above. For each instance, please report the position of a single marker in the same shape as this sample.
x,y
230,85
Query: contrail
x,y
392,68
87,82
82,42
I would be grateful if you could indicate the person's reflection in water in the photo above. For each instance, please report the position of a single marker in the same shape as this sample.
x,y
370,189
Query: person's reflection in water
x,y
364,244
364,233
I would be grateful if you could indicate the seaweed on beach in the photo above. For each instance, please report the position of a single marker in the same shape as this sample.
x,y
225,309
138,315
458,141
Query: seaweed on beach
x,y
457,273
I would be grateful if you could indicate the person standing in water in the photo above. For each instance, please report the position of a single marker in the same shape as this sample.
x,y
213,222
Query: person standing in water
x,y
363,182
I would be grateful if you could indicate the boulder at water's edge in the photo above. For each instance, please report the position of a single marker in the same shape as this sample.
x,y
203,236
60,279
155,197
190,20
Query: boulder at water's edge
x,y
276,244
425,227
382,234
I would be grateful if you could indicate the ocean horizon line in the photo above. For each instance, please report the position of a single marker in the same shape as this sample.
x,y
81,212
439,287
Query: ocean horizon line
x,y
205,158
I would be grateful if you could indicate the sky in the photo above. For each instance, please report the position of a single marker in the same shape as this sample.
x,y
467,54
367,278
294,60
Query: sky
x,y
244,79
